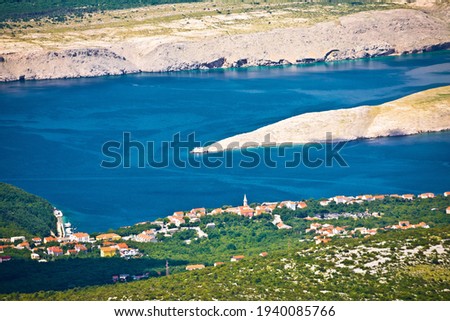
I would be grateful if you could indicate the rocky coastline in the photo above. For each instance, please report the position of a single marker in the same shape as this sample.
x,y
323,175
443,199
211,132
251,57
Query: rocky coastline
x,y
361,35
425,111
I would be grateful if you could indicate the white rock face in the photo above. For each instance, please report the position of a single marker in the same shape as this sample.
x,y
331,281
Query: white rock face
x,y
72,63
364,34
426,111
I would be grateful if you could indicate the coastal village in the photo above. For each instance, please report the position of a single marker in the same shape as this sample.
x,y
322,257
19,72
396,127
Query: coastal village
x,y
70,243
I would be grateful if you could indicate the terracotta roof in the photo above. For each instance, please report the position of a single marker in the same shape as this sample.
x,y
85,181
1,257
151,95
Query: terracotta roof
x,y
80,247
302,205
81,235
55,249
195,267
108,236
122,245
108,249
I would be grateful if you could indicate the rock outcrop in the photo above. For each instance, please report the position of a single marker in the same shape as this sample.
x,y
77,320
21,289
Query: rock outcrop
x,y
361,35
71,63
426,111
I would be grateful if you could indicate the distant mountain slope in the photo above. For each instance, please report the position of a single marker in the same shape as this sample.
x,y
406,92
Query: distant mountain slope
x,y
215,35
22,213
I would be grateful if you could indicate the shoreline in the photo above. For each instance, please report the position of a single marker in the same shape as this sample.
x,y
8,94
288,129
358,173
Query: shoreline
x,y
422,112
242,68
365,34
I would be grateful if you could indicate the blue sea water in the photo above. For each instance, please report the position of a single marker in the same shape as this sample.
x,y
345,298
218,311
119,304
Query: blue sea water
x,y
52,132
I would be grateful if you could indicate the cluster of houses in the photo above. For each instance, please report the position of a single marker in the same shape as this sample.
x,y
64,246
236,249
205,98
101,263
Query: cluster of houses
x,y
324,232
245,210
194,215
368,198
180,217
73,244
111,244
405,225
47,245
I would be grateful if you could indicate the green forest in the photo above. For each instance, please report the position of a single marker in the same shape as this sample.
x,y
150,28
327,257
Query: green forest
x,y
24,214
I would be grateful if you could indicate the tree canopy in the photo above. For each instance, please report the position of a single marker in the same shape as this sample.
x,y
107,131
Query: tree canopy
x,y
22,213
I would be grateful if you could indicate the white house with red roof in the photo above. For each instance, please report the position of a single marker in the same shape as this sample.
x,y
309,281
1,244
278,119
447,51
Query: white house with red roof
x,y
36,240
246,211
176,220
426,195
302,205
80,248
282,226
200,211
50,239
341,199
236,258
216,211
55,251
145,238
80,237
288,204
367,198
178,214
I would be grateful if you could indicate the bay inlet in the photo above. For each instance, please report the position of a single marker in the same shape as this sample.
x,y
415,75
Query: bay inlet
x,y
52,133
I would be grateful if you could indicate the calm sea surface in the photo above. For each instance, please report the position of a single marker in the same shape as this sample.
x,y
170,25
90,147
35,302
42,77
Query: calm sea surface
x,y
52,132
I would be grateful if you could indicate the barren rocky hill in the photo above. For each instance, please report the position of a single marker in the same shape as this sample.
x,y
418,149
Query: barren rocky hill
x,y
359,35
426,111
362,35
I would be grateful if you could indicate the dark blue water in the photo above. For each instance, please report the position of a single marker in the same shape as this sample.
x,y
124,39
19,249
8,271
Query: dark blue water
x,y
51,134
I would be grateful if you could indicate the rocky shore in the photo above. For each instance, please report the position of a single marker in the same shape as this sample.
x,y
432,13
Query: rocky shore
x,y
360,35
426,111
